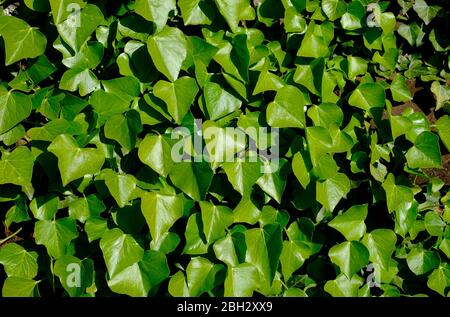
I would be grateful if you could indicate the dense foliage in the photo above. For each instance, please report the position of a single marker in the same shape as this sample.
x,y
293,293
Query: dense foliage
x,y
92,202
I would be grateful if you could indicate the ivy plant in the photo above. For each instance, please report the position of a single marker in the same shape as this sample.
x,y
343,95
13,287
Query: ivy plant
x,y
122,170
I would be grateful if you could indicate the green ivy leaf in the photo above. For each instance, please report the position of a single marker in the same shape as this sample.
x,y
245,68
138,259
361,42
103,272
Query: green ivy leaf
x,y
405,217
74,274
21,40
59,9
343,286
155,10
166,244
178,286
331,191
412,33
41,69
299,248
196,12
399,89
294,21
120,251
241,281
215,220
396,195
88,57
424,11
14,107
95,228
246,211
195,240
445,247
54,128
443,127
17,213
85,208
292,258
425,153
326,167
108,104
73,161
218,101
82,80
300,166
44,207
350,256
422,261
351,223
381,244
200,278
234,11
155,151
225,251
140,278
18,262
351,20
222,143
326,114
124,129
56,235
12,136
310,76
17,167
319,142
434,224
168,50
334,9
264,247
193,178
267,81
287,109
77,28
316,40
161,212
19,287
243,173
441,93
367,96
273,182
439,279
179,96
355,66
121,187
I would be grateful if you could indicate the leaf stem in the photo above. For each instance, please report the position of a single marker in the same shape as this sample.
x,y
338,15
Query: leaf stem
x,y
53,274
11,236
282,283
